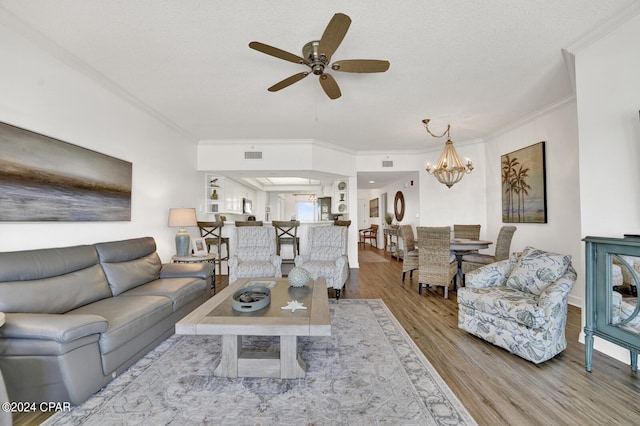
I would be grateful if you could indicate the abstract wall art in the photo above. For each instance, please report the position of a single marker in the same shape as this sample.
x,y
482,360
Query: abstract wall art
x,y
46,179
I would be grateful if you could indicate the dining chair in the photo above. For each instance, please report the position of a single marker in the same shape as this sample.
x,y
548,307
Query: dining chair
x,y
437,266
410,255
370,234
248,223
473,261
212,234
469,232
287,233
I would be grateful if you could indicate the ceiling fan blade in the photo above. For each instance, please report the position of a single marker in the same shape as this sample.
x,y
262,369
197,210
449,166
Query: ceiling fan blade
x,y
360,65
330,86
278,53
288,81
334,34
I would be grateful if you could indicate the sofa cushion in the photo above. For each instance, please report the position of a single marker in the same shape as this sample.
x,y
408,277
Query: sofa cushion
x,y
61,328
129,263
33,280
255,269
536,270
128,317
506,303
181,291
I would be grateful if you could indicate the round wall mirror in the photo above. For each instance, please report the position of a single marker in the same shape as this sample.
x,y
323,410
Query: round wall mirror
x,y
398,206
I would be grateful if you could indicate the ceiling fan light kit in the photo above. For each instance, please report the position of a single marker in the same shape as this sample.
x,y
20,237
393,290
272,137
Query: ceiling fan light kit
x,y
317,56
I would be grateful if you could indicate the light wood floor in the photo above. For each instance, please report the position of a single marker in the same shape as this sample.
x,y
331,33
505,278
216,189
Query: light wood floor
x,y
496,387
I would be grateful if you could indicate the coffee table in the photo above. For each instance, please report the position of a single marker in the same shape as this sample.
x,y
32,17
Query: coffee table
x,y
217,317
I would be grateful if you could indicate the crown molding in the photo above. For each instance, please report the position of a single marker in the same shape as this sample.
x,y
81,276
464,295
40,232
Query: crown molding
x,y
536,114
605,27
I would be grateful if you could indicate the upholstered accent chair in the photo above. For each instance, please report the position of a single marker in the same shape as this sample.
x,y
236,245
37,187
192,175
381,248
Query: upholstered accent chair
x,y
473,261
327,256
410,254
255,254
520,303
437,266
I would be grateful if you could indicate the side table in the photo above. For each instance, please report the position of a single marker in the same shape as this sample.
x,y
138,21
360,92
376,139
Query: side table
x,y
210,258
5,415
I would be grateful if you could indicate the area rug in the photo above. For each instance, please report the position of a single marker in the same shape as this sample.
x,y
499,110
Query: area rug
x,y
368,372
371,257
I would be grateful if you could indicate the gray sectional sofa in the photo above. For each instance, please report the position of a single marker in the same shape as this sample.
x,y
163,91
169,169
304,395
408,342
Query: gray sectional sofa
x,y
76,317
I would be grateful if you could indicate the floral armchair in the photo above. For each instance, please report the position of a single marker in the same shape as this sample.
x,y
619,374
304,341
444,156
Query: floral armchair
x,y
520,303
327,256
255,254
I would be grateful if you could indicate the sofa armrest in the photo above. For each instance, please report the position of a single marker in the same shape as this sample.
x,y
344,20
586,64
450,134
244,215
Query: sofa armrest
x,y
185,270
62,328
491,275
341,261
557,294
301,259
276,260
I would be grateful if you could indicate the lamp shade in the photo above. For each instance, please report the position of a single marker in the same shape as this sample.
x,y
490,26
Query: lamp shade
x,y
182,217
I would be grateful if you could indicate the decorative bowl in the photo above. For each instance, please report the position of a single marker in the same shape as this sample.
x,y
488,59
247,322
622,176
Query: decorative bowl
x,y
251,299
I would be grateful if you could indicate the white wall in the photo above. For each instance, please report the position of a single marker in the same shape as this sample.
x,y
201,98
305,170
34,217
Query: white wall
x,y
556,126
43,94
608,88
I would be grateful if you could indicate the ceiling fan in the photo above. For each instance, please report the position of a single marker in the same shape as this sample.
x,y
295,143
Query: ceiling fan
x,y
317,55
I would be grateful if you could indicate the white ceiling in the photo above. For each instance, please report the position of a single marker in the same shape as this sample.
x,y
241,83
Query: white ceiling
x,y
479,65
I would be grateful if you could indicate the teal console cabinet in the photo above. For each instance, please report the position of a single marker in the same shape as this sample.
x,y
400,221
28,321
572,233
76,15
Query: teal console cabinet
x,y
610,314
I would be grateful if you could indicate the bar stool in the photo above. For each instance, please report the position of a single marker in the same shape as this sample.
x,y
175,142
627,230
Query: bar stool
x,y
287,233
212,234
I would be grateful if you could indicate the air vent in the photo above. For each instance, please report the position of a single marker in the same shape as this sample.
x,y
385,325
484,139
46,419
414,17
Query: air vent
x,y
253,155
387,163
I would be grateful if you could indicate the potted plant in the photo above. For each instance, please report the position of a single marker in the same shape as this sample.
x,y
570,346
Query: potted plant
x,y
388,217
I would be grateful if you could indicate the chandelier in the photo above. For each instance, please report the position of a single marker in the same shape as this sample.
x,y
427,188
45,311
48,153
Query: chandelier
x,y
449,169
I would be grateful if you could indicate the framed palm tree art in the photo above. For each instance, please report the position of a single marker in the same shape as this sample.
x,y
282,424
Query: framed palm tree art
x,y
524,186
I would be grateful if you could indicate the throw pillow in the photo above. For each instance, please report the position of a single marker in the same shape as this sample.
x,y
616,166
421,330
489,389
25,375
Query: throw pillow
x,y
536,270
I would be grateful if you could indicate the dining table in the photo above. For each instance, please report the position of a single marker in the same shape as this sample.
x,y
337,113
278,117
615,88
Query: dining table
x,y
462,246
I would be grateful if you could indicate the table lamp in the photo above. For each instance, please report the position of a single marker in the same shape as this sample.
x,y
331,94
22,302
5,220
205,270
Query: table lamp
x,y
181,218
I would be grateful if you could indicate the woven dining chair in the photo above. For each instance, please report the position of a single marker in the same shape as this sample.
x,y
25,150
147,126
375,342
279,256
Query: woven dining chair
x,y
503,246
469,232
410,255
437,266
